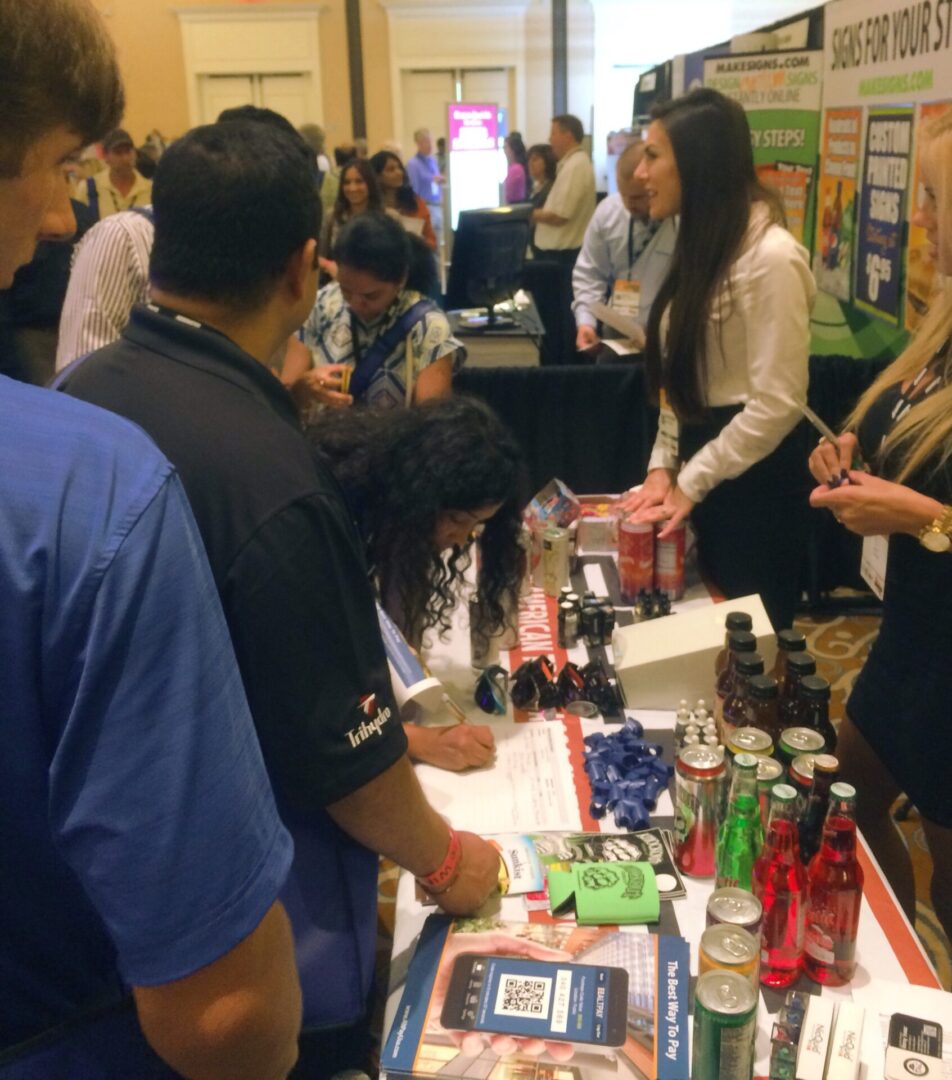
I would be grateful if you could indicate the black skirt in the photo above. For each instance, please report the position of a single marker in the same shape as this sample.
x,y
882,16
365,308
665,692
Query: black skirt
x,y
752,531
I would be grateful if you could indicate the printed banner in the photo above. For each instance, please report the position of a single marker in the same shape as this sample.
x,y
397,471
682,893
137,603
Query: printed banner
x,y
836,201
883,212
780,93
920,267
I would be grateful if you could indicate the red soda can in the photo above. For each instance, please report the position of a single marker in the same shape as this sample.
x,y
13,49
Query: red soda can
x,y
699,778
636,558
669,563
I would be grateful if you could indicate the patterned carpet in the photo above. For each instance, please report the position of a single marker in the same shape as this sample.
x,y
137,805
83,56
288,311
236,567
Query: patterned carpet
x,y
840,644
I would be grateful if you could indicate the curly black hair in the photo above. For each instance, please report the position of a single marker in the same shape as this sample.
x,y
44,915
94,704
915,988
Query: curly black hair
x,y
400,470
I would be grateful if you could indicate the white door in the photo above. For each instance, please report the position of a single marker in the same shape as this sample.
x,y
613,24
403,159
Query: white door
x,y
426,95
489,85
288,95
224,92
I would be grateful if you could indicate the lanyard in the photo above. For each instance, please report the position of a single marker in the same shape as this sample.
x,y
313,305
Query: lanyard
x,y
631,244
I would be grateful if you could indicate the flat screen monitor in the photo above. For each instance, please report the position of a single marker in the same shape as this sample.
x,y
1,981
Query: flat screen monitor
x,y
489,249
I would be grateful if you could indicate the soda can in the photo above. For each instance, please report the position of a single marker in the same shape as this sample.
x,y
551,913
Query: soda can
x,y
749,740
636,558
735,907
731,948
568,625
700,776
483,648
796,741
669,564
769,772
555,560
725,1021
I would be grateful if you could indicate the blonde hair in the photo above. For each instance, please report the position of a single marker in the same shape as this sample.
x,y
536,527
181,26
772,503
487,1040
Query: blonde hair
x,y
924,435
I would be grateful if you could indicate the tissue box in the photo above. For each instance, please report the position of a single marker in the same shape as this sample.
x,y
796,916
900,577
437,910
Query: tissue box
x,y
660,661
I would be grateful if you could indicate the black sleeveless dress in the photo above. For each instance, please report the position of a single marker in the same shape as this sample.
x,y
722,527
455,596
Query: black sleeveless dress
x,y
902,700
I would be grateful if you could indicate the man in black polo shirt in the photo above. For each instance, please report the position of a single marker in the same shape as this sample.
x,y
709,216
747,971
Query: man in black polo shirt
x,y
233,273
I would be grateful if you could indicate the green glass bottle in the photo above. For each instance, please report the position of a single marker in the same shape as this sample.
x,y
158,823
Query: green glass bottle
x,y
741,836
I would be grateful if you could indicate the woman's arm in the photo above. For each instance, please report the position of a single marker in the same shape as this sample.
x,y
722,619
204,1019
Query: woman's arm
x,y
429,236
871,506
435,380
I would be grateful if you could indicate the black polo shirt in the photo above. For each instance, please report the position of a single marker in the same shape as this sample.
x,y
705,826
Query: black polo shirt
x,y
284,552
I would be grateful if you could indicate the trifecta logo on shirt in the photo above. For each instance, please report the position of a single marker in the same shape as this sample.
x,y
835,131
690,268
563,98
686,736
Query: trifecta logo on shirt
x,y
373,725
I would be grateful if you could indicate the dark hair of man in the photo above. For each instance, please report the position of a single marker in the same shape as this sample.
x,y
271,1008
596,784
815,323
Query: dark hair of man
x,y
544,151
710,138
57,68
400,470
276,120
571,125
518,148
341,209
376,244
233,201
405,196
343,154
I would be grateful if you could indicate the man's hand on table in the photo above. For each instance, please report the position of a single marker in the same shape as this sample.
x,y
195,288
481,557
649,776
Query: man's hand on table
x,y
454,746
478,877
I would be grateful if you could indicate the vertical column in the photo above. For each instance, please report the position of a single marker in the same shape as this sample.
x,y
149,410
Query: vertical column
x,y
355,64
560,57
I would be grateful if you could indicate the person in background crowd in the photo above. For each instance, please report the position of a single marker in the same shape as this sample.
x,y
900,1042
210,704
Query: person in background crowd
x,y
541,166
418,525
625,255
442,162
516,185
328,180
142,852
358,193
902,427
559,229
727,351
30,309
190,369
399,347
399,198
120,186
360,147
426,179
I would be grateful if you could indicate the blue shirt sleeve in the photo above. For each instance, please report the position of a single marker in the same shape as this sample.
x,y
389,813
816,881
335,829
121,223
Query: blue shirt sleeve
x,y
159,799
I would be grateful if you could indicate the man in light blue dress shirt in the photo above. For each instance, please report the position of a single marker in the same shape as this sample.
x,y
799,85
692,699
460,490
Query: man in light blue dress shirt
x,y
624,257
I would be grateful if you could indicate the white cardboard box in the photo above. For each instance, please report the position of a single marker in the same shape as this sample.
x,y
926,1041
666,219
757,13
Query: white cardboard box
x,y
815,1039
660,661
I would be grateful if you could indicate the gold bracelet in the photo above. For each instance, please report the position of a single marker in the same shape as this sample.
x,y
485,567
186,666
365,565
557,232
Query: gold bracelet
x,y
937,535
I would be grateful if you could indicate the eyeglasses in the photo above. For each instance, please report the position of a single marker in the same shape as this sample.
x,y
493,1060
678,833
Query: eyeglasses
x,y
490,694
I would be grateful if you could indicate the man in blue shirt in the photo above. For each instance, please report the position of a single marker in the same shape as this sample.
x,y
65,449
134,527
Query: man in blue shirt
x,y
624,257
425,177
142,852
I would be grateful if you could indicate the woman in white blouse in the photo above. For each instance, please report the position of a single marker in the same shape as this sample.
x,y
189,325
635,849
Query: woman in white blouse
x,y
727,351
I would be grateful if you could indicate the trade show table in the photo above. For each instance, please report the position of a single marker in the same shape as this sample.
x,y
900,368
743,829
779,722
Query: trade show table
x,y
536,785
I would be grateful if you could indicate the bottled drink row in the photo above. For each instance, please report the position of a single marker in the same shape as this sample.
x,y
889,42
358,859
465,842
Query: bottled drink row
x,y
759,808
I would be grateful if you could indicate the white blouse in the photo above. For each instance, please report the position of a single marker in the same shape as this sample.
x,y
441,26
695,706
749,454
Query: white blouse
x,y
758,345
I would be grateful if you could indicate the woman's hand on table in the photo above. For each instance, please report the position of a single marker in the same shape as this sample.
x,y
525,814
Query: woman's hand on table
x,y
454,747
871,506
497,943
321,386
651,494
477,880
828,462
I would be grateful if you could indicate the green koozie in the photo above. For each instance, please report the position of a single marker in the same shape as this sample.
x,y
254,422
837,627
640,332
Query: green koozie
x,y
617,893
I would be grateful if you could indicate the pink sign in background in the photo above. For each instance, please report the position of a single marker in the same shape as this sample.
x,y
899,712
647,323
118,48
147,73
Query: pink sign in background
x,y
472,127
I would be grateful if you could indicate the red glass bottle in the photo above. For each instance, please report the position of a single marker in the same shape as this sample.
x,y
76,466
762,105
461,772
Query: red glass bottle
x,y
834,895
780,886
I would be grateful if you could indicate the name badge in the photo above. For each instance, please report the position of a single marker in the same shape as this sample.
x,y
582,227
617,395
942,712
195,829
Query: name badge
x,y
872,566
668,429
626,297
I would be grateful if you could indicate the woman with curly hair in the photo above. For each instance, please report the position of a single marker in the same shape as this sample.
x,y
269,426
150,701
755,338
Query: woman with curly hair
x,y
419,483
399,198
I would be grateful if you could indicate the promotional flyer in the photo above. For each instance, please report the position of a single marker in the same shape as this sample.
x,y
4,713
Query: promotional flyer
x,y
836,201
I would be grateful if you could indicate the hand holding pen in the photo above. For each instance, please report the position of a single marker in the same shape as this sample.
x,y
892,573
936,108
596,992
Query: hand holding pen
x,y
835,455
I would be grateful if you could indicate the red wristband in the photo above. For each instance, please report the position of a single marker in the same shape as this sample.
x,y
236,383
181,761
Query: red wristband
x,y
447,872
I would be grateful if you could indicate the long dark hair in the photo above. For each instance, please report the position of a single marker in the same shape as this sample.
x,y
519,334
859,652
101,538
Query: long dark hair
x,y
711,141
518,148
400,470
405,195
374,200
544,151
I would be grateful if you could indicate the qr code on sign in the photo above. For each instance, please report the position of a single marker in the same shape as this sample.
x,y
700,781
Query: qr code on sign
x,y
523,995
